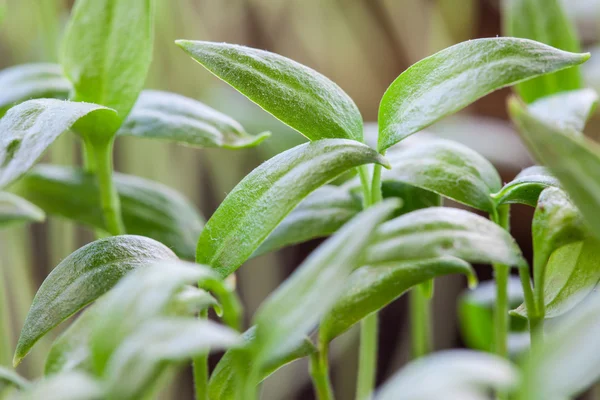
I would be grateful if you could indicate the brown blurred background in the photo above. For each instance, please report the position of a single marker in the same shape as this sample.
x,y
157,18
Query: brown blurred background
x,y
363,45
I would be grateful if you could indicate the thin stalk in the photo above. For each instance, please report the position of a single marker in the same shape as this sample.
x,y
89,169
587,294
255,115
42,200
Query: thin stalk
x,y
366,187
420,322
376,185
200,367
319,373
367,366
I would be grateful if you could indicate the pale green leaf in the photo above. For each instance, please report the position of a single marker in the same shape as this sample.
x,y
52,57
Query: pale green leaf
x,y
567,110
526,187
255,207
293,93
68,386
447,81
14,209
9,377
81,278
172,117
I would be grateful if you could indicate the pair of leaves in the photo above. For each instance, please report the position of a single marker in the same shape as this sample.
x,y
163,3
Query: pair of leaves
x,y
14,209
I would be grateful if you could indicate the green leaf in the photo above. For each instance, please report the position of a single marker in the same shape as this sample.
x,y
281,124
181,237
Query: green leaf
x,y
255,207
573,159
69,386
14,209
369,289
163,340
448,81
107,50
320,214
296,95
572,273
31,81
452,374
567,110
81,278
547,22
30,127
8,377
526,187
172,117
222,384
438,232
296,307
447,168
148,208
413,198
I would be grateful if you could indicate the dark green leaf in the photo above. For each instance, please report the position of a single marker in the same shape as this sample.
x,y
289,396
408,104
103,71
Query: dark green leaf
x,y
297,95
107,51
371,288
172,117
567,110
526,187
319,215
449,80
148,208
81,278
255,207
30,127
544,21
14,209
69,386
31,81
413,198
573,159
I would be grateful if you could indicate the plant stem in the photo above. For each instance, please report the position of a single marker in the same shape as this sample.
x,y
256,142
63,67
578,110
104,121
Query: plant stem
x,y
501,320
420,322
366,186
319,372
200,367
367,366
376,185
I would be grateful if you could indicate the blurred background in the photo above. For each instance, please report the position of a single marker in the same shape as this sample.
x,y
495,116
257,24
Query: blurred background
x,y
362,45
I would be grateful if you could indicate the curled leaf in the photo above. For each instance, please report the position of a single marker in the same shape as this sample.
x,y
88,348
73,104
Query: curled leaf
x,y
526,187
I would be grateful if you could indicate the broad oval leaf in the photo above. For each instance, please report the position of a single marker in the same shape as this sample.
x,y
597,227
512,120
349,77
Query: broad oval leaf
x,y
293,93
14,209
447,81
68,386
447,374
107,56
526,187
31,81
172,117
320,214
447,168
371,288
280,322
573,159
30,127
441,231
547,22
255,207
81,278
567,110
148,208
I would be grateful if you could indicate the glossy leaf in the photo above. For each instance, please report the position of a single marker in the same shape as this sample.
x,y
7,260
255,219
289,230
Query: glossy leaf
x,y
315,285
14,209
293,93
547,22
30,127
255,207
31,81
163,340
445,375
567,110
8,377
526,187
438,232
573,159
148,208
369,289
69,386
447,81
320,214
81,278
107,56
172,117
447,168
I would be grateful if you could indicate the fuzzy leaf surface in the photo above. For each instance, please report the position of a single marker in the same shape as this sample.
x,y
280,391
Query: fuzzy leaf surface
x,y
567,110
526,187
14,209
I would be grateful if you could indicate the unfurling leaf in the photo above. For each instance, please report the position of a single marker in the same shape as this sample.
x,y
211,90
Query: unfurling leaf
x,y
148,208
30,127
172,117
255,207
567,110
81,278
526,187
297,95
14,209
371,288
448,81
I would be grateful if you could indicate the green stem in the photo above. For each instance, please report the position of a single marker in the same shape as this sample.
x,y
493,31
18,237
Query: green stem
x,y
420,322
376,184
501,320
200,367
366,187
319,372
367,366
